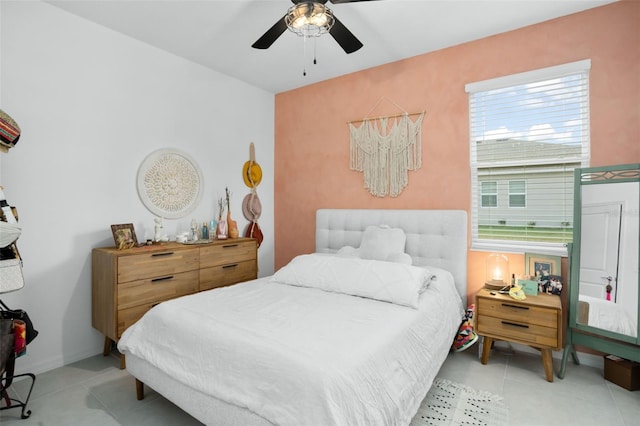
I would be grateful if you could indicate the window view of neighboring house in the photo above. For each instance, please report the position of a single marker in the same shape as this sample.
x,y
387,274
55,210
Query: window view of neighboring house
x,y
529,132
508,189
489,196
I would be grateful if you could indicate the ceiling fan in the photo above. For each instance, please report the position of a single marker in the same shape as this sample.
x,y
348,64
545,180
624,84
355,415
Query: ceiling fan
x,y
311,19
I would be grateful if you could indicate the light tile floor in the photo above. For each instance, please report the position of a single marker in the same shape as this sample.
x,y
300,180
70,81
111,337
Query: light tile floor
x,y
96,392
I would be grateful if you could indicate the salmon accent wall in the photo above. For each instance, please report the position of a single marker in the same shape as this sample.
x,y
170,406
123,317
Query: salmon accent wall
x,y
312,138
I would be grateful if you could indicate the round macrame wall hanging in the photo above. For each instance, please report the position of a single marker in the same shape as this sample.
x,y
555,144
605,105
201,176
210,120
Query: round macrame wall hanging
x,y
170,183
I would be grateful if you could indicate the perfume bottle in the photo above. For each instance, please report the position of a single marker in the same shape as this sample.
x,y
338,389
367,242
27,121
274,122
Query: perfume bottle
x,y
205,231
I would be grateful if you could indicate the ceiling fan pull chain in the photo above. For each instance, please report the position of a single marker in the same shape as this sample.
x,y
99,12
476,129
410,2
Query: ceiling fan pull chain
x,y
314,50
304,56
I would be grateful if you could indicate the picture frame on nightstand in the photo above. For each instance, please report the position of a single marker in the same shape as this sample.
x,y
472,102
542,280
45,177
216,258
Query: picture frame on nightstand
x,y
539,265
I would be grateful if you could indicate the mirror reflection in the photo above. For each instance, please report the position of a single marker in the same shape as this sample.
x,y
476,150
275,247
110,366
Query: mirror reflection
x,y
608,284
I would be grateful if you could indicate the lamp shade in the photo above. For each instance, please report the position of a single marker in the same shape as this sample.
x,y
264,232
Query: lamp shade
x,y
497,271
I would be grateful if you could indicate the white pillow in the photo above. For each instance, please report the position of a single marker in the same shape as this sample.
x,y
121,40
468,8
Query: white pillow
x,y
379,242
403,258
348,251
373,279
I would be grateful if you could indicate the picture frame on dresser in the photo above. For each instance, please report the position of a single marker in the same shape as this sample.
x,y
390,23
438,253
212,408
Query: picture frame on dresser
x,y
124,236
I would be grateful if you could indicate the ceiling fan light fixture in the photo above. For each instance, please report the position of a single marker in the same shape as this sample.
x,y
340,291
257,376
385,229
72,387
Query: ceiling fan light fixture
x,y
309,19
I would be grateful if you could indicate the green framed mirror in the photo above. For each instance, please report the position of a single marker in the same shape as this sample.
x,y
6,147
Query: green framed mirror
x,y
604,294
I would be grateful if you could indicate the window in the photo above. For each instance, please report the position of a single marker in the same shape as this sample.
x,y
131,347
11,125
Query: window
x,y
529,132
517,194
489,194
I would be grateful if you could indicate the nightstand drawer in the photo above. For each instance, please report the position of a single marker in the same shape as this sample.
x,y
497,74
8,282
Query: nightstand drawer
x,y
157,264
502,328
518,312
155,290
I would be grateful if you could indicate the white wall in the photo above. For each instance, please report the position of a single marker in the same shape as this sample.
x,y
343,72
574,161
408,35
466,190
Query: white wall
x,y
92,104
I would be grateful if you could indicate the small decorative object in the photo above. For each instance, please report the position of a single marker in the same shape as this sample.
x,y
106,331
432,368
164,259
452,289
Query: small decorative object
x,y
517,293
124,236
466,336
251,171
213,225
157,229
549,284
497,271
608,288
9,132
539,265
232,225
222,232
205,231
530,287
193,236
545,271
252,209
221,229
170,183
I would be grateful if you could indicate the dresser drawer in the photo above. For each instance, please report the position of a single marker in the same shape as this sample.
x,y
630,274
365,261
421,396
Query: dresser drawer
x,y
154,290
157,264
220,276
128,317
502,328
546,317
227,253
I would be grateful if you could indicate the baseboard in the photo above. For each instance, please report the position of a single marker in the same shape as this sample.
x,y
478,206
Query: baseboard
x,y
26,366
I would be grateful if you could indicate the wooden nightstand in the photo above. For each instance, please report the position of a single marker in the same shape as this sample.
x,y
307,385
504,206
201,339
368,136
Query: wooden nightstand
x,y
535,321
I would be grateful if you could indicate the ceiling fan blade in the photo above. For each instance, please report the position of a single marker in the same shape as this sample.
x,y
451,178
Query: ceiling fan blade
x,y
344,37
347,1
271,35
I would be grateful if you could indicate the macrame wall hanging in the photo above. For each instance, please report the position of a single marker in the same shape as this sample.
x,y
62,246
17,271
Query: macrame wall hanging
x,y
385,148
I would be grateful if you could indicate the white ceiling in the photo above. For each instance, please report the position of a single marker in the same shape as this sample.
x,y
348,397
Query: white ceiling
x,y
219,34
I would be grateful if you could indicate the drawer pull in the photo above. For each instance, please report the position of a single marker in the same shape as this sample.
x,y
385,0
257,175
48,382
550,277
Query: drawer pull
x,y
230,245
508,305
230,266
155,280
514,324
167,253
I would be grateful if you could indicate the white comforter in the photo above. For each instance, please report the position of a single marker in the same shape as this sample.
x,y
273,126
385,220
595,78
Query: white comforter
x,y
297,355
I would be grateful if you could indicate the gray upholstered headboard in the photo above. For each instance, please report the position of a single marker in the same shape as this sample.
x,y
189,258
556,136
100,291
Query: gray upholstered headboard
x,y
434,237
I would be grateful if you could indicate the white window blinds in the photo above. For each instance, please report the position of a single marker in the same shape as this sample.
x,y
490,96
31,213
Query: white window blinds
x,y
528,133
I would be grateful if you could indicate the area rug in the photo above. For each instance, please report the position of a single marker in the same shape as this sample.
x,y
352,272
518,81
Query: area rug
x,y
449,403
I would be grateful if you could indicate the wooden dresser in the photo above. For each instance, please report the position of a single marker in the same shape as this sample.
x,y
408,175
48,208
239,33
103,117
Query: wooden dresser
x,y
127,283
535,321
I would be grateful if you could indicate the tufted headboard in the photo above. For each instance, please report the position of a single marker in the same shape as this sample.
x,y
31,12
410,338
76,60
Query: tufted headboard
x,y
434,237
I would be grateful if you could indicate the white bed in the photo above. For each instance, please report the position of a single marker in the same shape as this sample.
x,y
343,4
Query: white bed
x,y
600,313
288,354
